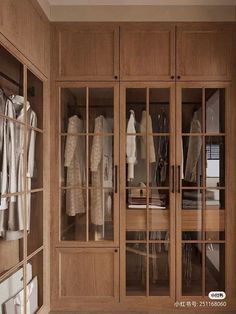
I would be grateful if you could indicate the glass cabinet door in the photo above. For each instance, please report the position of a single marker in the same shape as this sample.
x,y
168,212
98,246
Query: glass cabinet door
x,y
202,187
148,152
88,163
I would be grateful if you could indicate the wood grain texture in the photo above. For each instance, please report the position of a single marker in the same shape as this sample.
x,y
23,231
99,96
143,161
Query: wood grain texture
x,y
204,51
147,51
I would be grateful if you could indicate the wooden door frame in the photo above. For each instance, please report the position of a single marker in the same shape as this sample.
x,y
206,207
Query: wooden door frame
x,y
228,209
57,242
150,300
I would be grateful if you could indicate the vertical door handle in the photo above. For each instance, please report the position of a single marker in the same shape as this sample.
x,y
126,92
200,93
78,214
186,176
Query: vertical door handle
x,y
172,179
178,179
116,178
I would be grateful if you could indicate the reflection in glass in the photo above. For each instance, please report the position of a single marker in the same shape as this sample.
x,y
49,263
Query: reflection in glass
x,y
35,229
159,283
73,214
101,115
101,214
35,160
101,151
215,199
159,235
35,98
159,161
191,199
215,110
215,267
37,277
136,269
215,161
136,162
135,107
192,269
73,161
191,110
73,110
192,161
159,99
136,235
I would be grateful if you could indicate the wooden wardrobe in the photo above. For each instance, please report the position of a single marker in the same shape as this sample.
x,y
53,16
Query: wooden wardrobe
x,y
168,233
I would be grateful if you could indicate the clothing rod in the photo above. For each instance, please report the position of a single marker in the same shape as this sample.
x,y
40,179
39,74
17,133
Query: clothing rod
x,y
8,78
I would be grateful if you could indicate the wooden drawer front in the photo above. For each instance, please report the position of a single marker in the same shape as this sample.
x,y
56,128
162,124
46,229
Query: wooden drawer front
x,y
147,52
88,272
136,220
88,53
192,220
204,52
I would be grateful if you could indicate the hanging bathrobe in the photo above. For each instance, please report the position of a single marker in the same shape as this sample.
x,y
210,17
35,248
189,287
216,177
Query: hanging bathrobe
x,y
144,128
75,164
194,149
131,153
101,168
12,209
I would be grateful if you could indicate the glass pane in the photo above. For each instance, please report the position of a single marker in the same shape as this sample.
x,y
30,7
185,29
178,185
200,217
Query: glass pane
x,y
11,74
11,288
101,159
215,199
35,99
135,235
159,235
215,110
192,161
101,211
37,281
101,110
191,110
215,267
136,110
35,159
12,205
73,110
159,264
192,199
35,221
136,162
159,101
215,161
192,269
136,269
159,161
73,214
73,161
159,199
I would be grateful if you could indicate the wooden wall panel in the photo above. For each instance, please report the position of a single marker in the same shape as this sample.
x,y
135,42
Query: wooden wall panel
x,y
86,51
204,51
28,30
147,51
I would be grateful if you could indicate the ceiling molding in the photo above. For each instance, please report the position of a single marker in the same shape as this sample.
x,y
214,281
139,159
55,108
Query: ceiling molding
x,y
142,2
103,13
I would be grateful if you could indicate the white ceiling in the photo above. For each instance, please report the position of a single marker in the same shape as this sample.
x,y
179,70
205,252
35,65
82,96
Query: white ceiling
x,y
142,2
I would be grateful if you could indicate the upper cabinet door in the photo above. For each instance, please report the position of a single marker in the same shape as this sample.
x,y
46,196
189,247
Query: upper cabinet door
x,y
147,52
204,52
87,52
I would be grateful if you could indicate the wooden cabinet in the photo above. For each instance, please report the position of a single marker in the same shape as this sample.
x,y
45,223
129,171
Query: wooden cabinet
x,y
87,52
147,52
27,30
204,51
85,274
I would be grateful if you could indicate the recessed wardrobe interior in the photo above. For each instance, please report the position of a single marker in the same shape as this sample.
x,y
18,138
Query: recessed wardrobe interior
x,y
117,163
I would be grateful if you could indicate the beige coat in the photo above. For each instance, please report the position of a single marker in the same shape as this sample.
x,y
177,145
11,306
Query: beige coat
x,y
101,168
75,164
